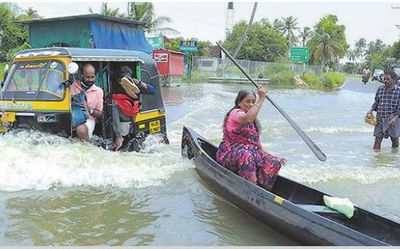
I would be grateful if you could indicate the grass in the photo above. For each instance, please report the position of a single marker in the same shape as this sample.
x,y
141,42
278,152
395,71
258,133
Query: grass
x,y
282,78
1,71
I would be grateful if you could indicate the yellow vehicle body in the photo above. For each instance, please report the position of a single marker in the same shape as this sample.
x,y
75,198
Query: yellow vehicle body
x,y
50,110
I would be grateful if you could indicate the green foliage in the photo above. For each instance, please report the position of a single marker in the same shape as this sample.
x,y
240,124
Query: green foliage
x,y
377,60
328,81
350,68
144,12
279,74
173,44
107,11
264,42
13,51
1,71
12,34
287,26
395,50
328,43
312,80
332,80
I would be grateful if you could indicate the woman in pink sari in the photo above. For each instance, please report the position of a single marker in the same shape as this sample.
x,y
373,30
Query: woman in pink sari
x,y
240,149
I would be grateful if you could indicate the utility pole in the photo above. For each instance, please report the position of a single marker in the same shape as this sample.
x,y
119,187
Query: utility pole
x,y
244,37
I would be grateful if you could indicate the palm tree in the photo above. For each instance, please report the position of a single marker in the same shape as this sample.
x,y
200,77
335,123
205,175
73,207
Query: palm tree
x,y
106,11
305,34
144,12
287,27
326,48
360,46
351,55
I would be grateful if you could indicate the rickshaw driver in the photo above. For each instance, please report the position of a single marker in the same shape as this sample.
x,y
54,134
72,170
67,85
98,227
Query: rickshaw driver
x,y
94,100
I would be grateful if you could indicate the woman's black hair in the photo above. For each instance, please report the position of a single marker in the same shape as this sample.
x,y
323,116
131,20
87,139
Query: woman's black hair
x,y
241,95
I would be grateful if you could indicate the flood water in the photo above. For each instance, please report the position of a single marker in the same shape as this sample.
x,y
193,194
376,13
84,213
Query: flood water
x,y
58,191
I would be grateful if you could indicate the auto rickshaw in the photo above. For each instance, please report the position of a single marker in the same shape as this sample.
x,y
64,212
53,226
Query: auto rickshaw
x,y
36,93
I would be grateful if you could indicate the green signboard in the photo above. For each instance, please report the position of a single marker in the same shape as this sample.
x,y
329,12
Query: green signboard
x,y
188,45
156,42
299,54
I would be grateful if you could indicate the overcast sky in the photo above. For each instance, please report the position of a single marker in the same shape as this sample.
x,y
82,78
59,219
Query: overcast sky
x,y
206,20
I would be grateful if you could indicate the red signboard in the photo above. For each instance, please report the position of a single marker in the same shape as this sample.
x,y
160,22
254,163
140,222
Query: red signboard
x,y
169,62
161,57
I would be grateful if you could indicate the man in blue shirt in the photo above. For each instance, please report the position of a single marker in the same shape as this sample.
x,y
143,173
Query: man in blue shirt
x,y
387,107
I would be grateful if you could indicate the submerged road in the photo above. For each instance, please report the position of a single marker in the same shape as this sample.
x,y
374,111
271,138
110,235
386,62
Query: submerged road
x,y
56,191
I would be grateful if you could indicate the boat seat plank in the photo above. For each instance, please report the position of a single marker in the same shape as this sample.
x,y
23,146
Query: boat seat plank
x,y
316,208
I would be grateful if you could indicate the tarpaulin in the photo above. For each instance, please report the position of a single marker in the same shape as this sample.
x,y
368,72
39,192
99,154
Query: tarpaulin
x,y
118,36
66,34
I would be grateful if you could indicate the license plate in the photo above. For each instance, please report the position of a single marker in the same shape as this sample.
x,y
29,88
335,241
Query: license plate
x,y
155,126
8,117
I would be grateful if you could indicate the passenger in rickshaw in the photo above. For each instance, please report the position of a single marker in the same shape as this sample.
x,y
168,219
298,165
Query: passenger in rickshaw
x,y
87,102
126,103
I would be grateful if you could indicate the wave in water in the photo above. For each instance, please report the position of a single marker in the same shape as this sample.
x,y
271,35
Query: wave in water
x,y
333,129
40,161
316,173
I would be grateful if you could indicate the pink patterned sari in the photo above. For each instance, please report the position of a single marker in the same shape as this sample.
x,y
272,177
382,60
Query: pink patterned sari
x,y
241,152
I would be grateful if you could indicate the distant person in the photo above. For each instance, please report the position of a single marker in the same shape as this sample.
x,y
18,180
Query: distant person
x,y
366,74
90,98
241,150
387,108
126,104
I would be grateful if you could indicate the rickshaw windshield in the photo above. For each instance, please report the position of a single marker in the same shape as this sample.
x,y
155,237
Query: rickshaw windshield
x,y
35,80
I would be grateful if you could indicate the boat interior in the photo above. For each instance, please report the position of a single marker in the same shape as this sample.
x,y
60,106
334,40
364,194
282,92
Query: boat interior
x,y
312,201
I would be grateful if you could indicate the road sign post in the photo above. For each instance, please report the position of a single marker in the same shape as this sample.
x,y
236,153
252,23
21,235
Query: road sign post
x,y
299,54
188,46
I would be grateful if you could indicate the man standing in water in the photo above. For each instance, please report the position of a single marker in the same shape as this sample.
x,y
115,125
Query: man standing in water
x,y
387,107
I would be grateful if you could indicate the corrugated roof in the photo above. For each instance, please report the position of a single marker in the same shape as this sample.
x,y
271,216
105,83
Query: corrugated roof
x,y
89,16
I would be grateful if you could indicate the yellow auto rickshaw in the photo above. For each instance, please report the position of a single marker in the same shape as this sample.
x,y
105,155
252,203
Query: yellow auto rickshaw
x,y
35,94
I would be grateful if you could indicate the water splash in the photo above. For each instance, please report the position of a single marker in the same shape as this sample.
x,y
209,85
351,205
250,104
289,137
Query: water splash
x,y
35,160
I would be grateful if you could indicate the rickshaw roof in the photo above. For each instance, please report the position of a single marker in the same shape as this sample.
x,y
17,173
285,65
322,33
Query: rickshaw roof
x,y
86,54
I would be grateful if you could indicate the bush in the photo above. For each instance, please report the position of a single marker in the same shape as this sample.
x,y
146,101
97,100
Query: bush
x,y
284,78
279,74
333,80
312,80
12,52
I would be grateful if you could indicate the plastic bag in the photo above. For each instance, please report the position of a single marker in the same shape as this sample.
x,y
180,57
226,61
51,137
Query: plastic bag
x,y
370,119
342,205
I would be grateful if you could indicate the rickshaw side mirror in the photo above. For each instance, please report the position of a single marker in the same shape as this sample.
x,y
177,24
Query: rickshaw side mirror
x,y
72,68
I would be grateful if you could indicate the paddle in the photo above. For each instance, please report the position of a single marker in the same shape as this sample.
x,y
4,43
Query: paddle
x,y
317,151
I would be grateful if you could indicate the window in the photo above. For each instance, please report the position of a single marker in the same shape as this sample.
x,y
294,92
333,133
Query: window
x,y
35,80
